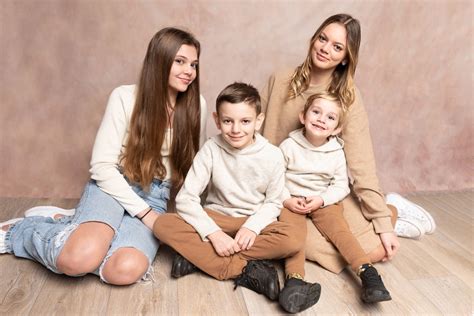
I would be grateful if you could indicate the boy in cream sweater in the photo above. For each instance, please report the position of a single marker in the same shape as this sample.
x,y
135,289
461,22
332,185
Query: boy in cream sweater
x,y
316,180
237,228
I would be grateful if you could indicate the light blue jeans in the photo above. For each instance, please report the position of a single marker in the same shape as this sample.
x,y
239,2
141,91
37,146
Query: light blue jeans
x,y
42,238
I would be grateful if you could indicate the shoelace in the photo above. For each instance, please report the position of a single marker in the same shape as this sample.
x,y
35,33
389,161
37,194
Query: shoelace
x,y
371,277
247,280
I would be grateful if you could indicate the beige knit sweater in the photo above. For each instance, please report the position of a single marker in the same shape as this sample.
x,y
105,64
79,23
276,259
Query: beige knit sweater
x,y
246,182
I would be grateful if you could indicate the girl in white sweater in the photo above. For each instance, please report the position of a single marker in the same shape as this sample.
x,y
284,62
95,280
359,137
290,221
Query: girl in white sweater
x,y
137,157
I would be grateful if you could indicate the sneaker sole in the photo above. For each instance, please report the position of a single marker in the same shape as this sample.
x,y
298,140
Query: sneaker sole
x,y
298,301
422,210
45,211
376,298
419,227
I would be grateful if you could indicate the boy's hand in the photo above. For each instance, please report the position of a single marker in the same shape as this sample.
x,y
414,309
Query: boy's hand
x,y
223,244
314,203
296,205
245,238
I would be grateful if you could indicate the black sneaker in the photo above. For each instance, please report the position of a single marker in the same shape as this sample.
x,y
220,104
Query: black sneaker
x,y
298,295
181,266
260,276
373,289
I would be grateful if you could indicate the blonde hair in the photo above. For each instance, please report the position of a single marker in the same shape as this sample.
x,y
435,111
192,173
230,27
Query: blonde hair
x,y
342,81
330,97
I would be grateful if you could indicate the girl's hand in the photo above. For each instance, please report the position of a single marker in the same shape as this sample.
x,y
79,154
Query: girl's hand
x,y
245,238
223,244
148,217
296,205
313,203
390,243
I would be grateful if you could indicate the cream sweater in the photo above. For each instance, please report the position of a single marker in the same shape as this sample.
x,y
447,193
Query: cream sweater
x,y
110,141
247,182
311,170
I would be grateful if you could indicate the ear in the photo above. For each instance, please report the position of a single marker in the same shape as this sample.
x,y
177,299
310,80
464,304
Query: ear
x,y
259,121
301,116
336,131
216,120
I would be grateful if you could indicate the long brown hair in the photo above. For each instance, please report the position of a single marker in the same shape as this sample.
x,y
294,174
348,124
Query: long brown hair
x,y
342,81
142,159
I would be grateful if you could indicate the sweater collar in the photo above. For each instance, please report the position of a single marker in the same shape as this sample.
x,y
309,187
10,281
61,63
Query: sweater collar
x,y
334,143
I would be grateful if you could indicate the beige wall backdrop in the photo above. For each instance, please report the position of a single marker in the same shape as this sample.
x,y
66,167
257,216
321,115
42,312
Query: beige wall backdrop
x,y
61,59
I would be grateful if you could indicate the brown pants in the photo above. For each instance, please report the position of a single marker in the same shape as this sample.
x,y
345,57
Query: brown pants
x,y
280,239
331,223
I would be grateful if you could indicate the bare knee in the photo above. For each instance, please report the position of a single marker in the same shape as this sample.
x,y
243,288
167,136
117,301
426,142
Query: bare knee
x,y
125,266
85,249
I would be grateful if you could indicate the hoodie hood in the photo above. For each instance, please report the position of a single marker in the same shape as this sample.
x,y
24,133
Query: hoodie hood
x,y
257,145
334,143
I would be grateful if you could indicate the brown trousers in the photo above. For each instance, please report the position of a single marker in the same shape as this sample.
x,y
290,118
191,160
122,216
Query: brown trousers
x,y
331,223
280,239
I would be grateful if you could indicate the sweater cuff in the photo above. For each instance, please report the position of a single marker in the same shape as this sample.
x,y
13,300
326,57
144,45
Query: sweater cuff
x,y
382,224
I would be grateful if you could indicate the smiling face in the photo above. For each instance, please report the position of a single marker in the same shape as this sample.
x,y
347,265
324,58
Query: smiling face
x,y
183,69
330,47
238,123
321,120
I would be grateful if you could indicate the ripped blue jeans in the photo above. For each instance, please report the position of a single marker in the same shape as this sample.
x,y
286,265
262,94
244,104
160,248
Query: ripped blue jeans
x,y
42,238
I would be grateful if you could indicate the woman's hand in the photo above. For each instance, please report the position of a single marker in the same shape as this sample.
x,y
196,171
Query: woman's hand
x,y
245,238
296,205
223,244
390,243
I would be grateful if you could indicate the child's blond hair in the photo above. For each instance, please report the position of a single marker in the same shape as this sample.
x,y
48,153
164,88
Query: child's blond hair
x,y
331,97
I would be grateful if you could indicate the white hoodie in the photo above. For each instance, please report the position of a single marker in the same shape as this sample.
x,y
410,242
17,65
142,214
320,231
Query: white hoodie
x,y
242,182
311,170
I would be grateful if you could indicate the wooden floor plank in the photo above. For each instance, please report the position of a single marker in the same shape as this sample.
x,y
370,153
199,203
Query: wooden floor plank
x,y
449,294
21,282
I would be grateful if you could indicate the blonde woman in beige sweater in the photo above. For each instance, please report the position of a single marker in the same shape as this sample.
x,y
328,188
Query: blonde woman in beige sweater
x,y
330,65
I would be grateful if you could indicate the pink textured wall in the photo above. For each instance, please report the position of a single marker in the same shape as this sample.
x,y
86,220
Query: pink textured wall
x,y
60,60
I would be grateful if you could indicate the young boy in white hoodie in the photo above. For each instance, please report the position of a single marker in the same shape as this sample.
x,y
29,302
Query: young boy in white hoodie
x,y
316,181
237,228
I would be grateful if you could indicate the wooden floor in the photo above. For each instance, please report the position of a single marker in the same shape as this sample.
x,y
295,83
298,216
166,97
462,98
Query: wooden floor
x,y
432,276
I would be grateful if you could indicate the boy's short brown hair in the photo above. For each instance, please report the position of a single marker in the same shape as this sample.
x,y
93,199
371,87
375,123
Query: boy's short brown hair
x,y
238,92
331,97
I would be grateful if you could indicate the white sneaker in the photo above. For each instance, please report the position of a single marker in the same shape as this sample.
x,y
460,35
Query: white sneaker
x,y
49,211
411,228
3,234
409,210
